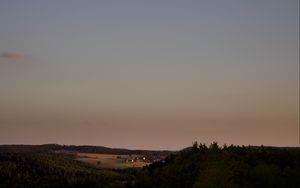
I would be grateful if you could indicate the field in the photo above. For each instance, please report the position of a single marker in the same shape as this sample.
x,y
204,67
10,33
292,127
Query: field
x,y
113,161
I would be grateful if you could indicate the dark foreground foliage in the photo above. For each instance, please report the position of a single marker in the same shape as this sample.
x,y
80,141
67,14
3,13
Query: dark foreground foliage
x,y
228,167
19,169
195,167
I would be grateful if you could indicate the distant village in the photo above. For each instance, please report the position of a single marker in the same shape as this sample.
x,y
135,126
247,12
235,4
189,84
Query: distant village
x,y
138,158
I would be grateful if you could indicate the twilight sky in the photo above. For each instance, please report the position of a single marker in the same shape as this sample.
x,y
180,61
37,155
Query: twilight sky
x,y
149,74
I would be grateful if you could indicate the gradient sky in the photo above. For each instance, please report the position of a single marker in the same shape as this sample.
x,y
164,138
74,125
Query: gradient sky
x,y
149,74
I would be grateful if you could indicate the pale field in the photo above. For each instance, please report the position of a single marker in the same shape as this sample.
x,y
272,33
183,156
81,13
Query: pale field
x,y
110,160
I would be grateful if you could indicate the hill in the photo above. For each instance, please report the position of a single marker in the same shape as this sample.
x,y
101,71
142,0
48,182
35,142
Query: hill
x,y
231,166
84,149
198,166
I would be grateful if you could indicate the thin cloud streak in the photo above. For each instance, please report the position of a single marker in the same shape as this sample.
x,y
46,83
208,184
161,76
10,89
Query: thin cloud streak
x,y
13,55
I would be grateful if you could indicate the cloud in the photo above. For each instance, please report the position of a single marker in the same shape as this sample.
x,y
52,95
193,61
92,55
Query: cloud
x,y
13,55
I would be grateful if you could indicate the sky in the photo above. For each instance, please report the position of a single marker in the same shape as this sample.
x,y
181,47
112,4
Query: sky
x,y
149,74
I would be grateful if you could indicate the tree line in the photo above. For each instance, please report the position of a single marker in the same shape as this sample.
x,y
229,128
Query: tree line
x,y
198,166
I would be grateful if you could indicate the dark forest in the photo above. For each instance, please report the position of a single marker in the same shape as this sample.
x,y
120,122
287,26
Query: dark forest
x,y
198,166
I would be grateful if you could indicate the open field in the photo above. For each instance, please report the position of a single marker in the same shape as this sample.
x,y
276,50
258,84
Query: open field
x,y
112,160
